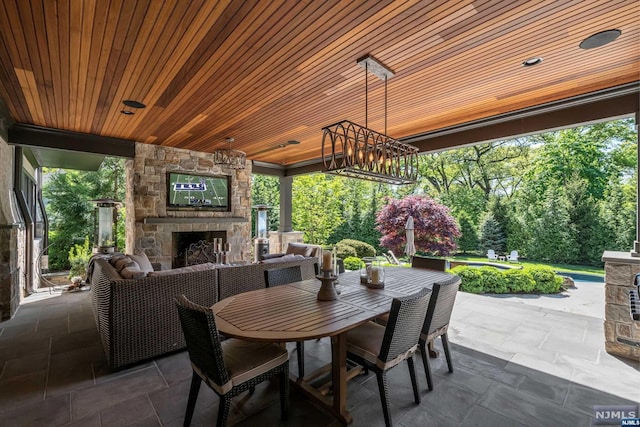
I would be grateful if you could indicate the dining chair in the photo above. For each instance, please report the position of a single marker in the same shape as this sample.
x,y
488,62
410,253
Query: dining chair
x,y
439,264
436,322
229,367
380,348
282,276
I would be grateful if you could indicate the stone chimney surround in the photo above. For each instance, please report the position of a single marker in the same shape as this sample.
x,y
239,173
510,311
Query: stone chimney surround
x,y
149,224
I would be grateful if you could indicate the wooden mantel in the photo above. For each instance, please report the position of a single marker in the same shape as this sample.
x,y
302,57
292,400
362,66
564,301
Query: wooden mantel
x,y
192,220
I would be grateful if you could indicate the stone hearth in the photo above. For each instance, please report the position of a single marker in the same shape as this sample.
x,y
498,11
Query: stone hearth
x,y
150,225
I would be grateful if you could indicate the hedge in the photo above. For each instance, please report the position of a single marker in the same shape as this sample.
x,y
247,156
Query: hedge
x,y
350,247
539,280
353,263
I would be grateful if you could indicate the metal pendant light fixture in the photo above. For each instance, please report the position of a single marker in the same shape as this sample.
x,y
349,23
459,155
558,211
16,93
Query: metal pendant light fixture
x,y
230,158
356,151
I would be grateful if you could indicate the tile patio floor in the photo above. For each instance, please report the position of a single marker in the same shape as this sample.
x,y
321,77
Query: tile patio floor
x,y
515,364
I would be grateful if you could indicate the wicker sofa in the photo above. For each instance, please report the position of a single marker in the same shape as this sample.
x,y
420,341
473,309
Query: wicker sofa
x,y
137,318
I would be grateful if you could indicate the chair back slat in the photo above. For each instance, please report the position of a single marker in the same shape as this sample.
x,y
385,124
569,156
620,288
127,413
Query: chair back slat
x,y
404,325
203,342
439,264
441,305
282,276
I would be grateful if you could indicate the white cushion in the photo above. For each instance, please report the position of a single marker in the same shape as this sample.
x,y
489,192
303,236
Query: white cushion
x,y
143,262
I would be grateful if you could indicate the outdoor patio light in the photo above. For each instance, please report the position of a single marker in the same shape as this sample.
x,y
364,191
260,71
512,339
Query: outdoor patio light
x,y
356,151
227,157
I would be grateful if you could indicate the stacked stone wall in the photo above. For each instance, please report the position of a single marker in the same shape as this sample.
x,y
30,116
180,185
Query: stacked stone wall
x,y
621,331
146,198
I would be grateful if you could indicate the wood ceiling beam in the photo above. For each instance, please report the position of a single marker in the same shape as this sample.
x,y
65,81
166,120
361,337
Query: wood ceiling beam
x,y
36,136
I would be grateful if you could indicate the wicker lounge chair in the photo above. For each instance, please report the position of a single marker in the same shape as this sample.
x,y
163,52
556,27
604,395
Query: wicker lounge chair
x,y
230,367
380,348
282,276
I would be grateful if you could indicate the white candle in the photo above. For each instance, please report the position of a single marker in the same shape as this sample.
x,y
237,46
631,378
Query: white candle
x,y
375,275
327,263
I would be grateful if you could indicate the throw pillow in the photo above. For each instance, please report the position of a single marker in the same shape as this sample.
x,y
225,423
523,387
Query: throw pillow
x,y
133,272
125,262
143,262
115,259
299,249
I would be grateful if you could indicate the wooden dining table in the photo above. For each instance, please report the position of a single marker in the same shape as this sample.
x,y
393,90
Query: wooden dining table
x,y
292,312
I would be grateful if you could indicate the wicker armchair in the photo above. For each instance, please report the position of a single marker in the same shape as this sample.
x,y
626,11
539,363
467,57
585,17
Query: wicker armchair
x,y
282,276
380,348
230,367
437,320
439,264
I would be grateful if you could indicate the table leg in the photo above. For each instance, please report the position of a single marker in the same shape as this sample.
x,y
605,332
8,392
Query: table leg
x,y
339,376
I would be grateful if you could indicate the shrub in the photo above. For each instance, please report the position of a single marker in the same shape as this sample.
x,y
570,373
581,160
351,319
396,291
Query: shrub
x,y
492,280
353,263
547,281
362,249
519,281
79,258
345,251
471,279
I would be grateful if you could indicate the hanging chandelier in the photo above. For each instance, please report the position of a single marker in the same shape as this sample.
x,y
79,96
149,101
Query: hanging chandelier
x,y
227,157
352,150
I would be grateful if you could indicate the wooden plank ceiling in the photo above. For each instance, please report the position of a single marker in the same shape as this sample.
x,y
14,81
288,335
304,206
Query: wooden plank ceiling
x,y
265,72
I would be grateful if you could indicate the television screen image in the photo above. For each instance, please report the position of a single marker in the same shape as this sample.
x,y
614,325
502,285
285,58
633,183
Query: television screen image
x,y
198,191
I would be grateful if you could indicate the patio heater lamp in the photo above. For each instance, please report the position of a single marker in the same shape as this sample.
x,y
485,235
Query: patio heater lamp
x,y
261,241
105,223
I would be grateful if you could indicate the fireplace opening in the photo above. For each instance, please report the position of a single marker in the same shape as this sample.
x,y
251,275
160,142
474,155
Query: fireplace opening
x,y
181,240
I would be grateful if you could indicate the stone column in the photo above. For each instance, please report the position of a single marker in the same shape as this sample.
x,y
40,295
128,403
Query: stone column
x,y
622,333
286,203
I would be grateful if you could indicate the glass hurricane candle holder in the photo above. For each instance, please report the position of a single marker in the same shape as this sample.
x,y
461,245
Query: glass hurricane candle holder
x,y
376,275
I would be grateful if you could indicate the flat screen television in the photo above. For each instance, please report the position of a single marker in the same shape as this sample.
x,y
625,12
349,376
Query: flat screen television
x,y
199,192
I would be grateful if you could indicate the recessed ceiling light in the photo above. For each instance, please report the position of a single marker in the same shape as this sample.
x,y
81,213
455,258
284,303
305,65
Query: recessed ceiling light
x,y
133,104
293,142
532,61
126,112
600,39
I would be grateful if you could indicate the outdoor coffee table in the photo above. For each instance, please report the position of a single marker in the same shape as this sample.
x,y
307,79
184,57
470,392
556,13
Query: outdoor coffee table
x,y
293,313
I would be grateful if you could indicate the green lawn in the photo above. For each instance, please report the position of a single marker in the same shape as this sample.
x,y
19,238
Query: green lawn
x,y
557,267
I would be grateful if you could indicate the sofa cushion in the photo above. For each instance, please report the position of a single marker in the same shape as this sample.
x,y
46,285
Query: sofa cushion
x,y
143,262
133,272
299,249
125,262
285,258
115,258
188,269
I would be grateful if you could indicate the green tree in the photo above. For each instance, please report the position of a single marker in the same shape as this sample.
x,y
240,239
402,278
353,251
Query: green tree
x,y
67,194
491,235
265,190
316,206
468,241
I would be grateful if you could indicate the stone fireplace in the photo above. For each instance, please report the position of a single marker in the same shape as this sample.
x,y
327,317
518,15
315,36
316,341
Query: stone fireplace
x,y
182,239
150,225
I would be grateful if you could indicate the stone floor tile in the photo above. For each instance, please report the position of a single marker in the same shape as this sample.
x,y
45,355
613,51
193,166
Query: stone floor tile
x,y
582,399
53,411
104,395
129,412
22,390
483,417
529,409
175,367
73,341
89,421
25,365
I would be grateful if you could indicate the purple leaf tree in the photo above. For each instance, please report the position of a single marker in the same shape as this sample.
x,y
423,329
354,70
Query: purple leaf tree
x,y
434,228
